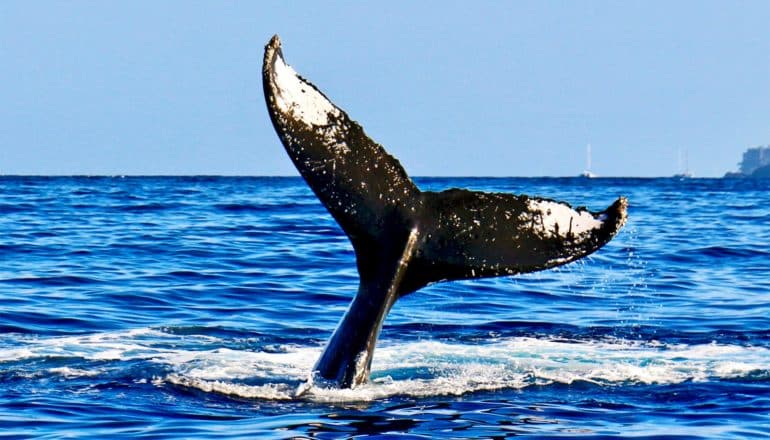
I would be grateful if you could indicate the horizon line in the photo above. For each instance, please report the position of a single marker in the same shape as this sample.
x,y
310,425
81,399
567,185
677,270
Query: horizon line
x,y
139,175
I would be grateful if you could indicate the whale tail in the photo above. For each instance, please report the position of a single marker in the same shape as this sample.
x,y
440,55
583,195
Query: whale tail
x,y
404,238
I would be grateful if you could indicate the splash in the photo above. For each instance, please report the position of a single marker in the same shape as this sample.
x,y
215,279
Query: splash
x,y
417,369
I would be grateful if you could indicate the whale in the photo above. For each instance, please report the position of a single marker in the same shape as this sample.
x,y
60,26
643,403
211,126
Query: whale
x,y
404,238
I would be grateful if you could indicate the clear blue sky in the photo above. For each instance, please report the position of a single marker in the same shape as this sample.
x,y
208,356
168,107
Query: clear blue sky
x,y
466,88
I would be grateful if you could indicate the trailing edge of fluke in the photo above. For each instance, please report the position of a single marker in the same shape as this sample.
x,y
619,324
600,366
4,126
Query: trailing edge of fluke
x,y
404,238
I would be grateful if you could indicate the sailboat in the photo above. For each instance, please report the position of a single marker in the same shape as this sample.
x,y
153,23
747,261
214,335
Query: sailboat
x,y
685,172
588,174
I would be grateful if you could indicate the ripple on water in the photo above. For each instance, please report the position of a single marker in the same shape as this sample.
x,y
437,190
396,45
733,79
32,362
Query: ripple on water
x,y
195,307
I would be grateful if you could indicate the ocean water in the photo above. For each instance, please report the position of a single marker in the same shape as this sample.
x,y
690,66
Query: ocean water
x,y
194,307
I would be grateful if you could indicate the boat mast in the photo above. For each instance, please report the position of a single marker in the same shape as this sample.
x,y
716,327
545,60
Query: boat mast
x,y
588,158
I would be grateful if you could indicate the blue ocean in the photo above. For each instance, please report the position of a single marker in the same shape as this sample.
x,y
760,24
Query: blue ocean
x,y
194,307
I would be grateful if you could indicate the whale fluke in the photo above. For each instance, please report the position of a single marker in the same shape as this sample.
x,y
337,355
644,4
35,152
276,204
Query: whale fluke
x,y
404,238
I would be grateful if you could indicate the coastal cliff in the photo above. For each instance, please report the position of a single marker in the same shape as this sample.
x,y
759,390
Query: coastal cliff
x,y
755,164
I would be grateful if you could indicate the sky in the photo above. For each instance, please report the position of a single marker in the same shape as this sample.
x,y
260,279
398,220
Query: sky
x,y
508,88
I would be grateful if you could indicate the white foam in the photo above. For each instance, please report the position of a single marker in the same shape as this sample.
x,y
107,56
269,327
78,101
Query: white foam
x,y
122,345
71,373
275,391
222,364
418,369
511,363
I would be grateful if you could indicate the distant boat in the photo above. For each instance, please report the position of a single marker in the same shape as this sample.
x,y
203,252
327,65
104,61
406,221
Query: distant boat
x,y
683,176
588,174
685,172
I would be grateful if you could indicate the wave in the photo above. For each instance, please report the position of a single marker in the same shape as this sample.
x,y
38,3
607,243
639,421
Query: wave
x,y
416,369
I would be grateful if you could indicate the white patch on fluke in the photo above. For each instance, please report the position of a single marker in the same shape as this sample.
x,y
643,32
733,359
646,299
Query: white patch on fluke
x,y
295,96
568,221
